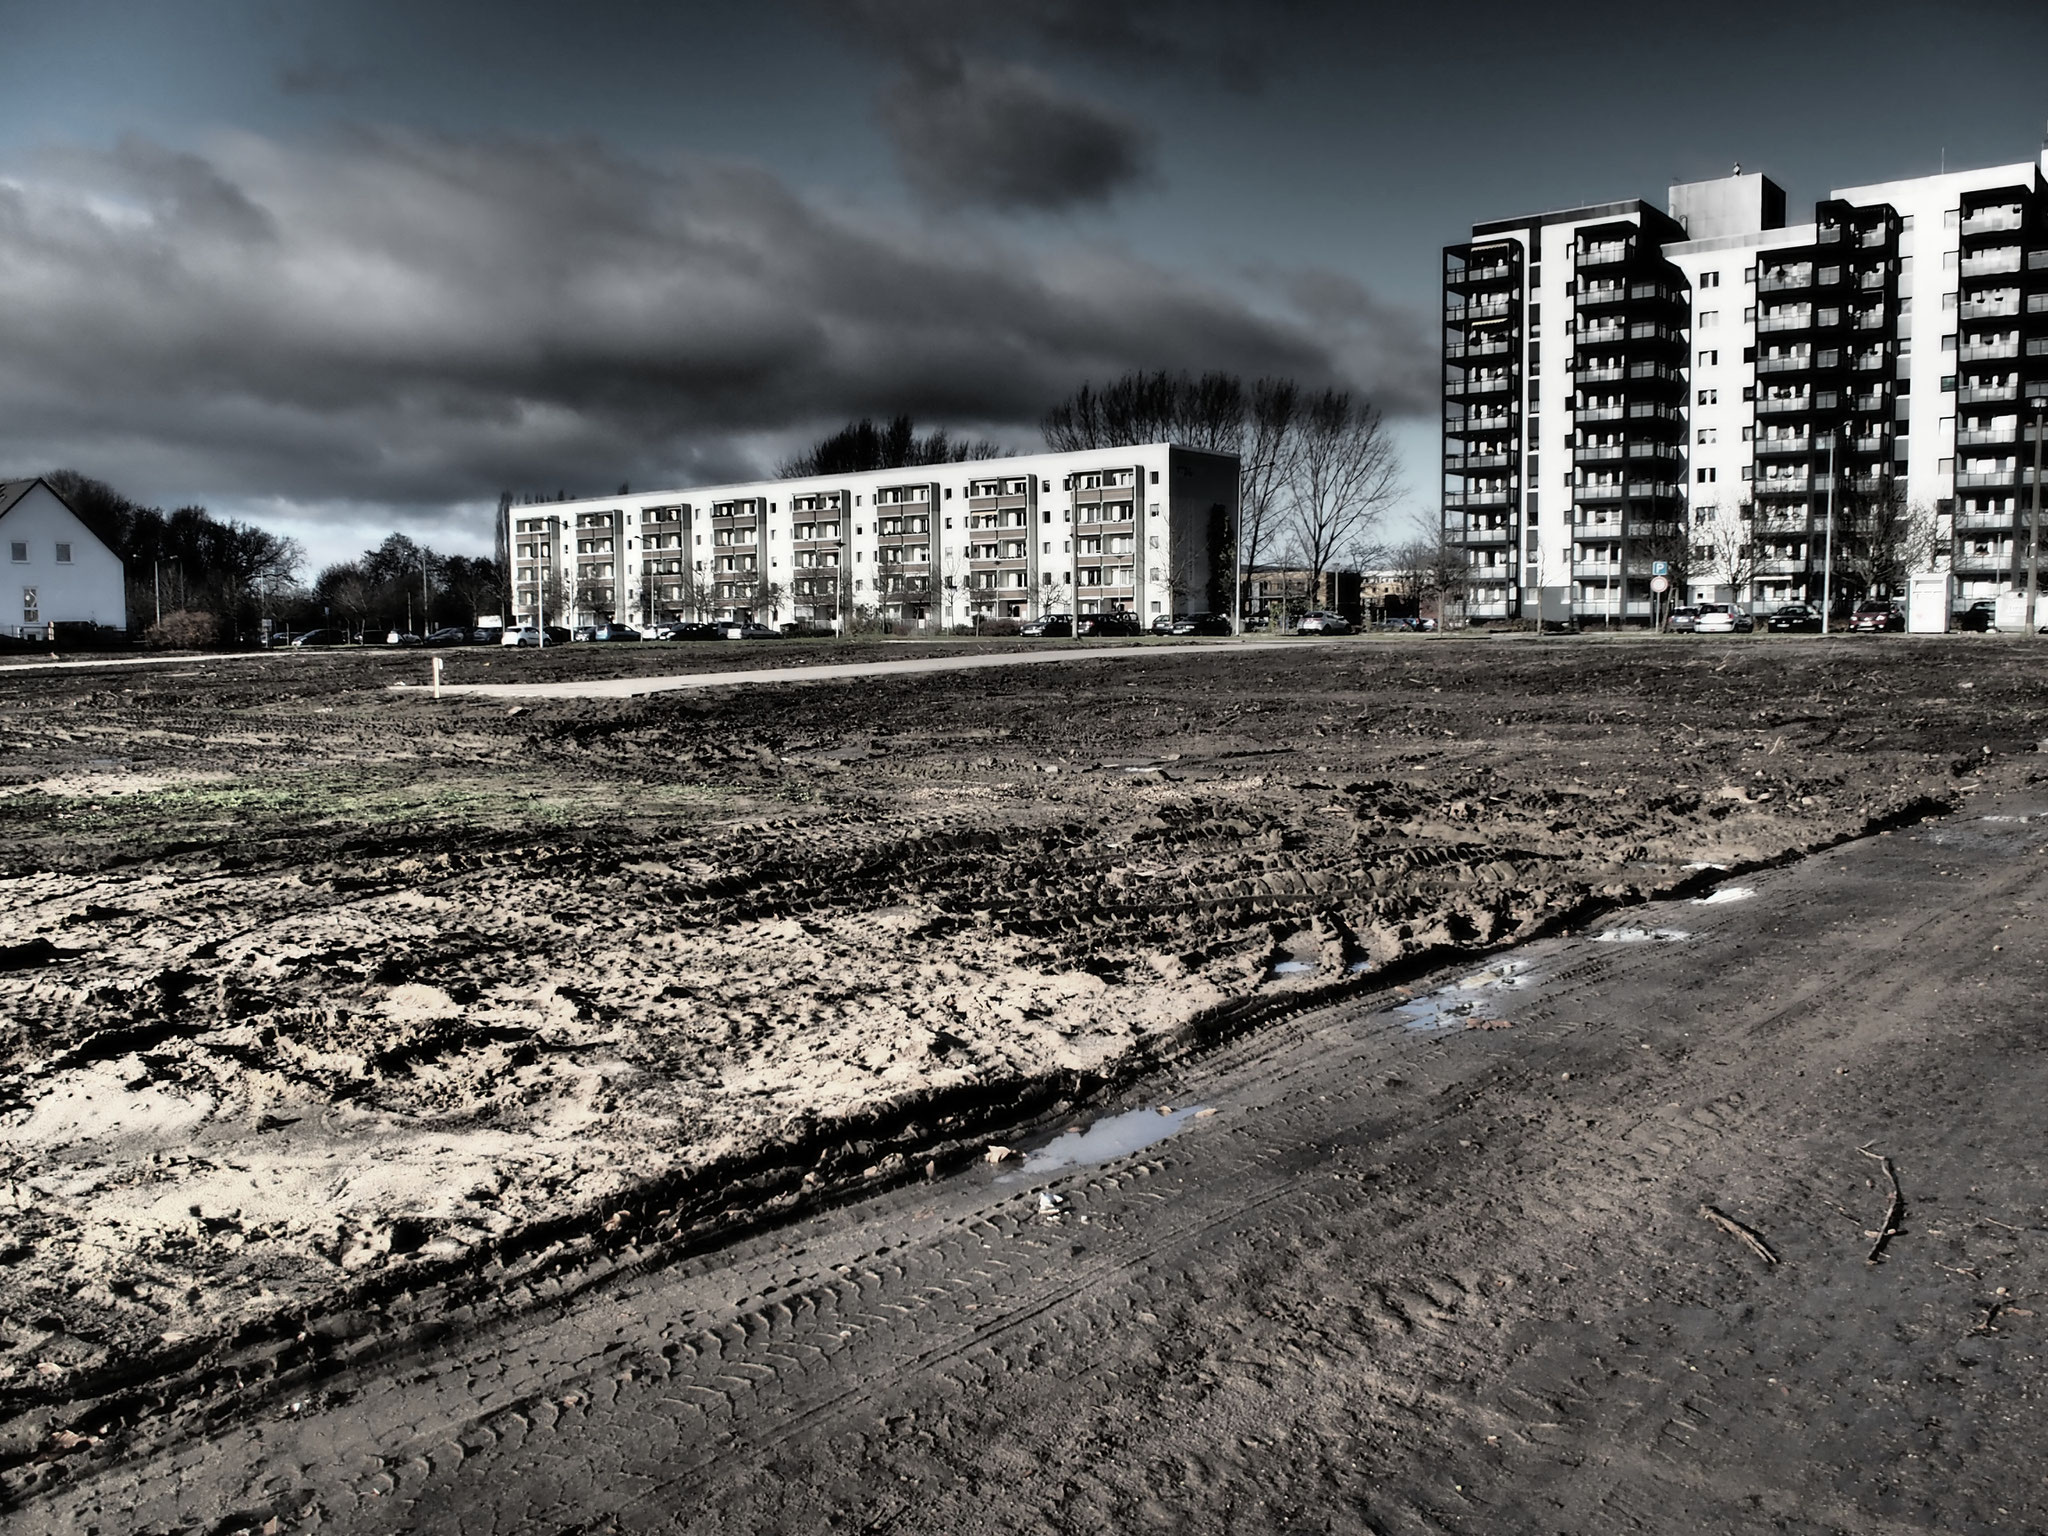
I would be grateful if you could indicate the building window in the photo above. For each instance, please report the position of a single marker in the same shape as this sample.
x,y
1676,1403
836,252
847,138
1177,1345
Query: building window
x,y
18,552
1710,279
1704,476
31,609
1709,434
1710,397
1710,359
1709,317
63,554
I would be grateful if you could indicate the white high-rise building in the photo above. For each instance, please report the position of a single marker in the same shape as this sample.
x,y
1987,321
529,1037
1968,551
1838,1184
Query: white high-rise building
x,y
1144,530
1722,387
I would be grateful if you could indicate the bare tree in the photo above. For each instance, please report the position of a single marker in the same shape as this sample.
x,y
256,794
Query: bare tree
x,y
1271,446
1880,540
1731,551
1206,412
863,445
1345,475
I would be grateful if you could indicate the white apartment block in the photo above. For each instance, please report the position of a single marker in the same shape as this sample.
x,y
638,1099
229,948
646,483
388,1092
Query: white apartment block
x,y
1144,530
1721,385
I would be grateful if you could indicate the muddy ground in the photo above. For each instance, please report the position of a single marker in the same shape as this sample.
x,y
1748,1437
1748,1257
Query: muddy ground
x,y
329,1015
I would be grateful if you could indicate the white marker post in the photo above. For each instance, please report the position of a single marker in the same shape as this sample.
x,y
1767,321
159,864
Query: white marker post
x,y
437,678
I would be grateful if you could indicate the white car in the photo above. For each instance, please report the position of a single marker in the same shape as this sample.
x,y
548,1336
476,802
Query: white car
x,y
1723,619
521,634
1323,624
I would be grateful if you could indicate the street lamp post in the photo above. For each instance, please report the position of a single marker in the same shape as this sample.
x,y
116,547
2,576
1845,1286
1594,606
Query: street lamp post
x,y
1827,573
2038,398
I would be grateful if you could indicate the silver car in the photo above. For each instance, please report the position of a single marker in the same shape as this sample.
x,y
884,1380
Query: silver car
x,y
1323,624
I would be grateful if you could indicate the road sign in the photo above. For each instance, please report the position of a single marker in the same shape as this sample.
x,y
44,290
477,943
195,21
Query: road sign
x,y
1660,568
1660,582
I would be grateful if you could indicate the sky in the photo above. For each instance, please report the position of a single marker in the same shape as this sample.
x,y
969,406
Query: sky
x,y
346,268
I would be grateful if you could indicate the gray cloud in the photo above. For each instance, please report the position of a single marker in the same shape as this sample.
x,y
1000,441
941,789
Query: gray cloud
x,y
1007,136
400,320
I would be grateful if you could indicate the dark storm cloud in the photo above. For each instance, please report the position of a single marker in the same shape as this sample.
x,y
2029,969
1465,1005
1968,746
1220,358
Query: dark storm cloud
x,y
1007,136
973,124
416,320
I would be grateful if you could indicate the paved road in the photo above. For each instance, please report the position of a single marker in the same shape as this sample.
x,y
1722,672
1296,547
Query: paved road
x,y
1403,1279
629,687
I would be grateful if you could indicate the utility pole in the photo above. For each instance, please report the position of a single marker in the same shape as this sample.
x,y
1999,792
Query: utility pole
x,y
1827,576
2038,398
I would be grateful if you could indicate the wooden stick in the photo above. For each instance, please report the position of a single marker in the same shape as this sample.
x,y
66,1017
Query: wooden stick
x,y
1736,1229
1893,1213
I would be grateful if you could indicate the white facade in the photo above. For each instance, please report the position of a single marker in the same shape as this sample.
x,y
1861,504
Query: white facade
x,y
56,570
1626,386
1143,530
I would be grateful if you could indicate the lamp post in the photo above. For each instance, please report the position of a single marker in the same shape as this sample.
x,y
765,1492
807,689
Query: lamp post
x,y
2037,397
1827,575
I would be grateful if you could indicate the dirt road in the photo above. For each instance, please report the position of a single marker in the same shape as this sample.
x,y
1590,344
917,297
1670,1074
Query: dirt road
x,y
1422,1263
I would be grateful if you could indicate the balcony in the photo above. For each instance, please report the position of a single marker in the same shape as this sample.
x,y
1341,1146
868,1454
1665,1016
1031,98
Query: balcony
x,y
1785,485
1599,295
1597,570
1655,490
1784,280
1661,371
1871,402
1867,362
1504,497
1642,450
1478,274
1876,444
1483,386
1586,413
1784,565
1604,255
1479,309
1987,394
1603,374
1990,352
1987,220
1789,442
1465,464
1597,453
1966,522
1986,436
1598,335
1482,536
1599,493
1797,320
1455,350
1652,330
2002,478
1993,263
2003,304
1474,426
1798,362
1784,405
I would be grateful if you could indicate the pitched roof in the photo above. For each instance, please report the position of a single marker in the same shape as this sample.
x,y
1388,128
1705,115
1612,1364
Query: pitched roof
x,y
11,492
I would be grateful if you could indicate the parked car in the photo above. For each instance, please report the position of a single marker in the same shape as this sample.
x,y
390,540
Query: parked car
x,y
1201,624
583,632
615,632
809,629
1256,624
1054,626
738,629
527,634
690,630
1723,619
450,635
487,634
1794,618
1877,616
403,637
313,637
1323,624
1109,626
1981,617
1163,624
1683,620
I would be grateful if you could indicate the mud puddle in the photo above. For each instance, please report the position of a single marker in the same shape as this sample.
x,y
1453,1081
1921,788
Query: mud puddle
x,y
1107,1139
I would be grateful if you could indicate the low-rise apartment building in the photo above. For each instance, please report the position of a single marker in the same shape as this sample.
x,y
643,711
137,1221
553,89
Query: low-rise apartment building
x,y
1719,389
1144,530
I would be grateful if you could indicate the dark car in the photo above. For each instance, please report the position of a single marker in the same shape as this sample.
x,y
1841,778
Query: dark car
x,y
1202,624
689,631
1794,618
752,632
1104,626
1981,617
809,629
403,637
1683,620
1054,626
452,635
1163,624
314,637
1877,616
615,632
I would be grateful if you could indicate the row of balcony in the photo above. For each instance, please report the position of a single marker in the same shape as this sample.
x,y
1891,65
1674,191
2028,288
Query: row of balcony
x,y
1634,490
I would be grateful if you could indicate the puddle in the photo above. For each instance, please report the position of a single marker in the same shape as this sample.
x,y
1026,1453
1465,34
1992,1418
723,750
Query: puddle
x,y
1112,1136
1706,866
1293,968
1642,936
1469,1000
1358,967
1724,895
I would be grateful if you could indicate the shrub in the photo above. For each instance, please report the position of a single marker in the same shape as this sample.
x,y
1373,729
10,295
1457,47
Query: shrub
x,y
185,629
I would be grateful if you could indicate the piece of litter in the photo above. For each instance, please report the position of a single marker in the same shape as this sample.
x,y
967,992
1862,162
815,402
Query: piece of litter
x,y
996,1154
1203,1114
1727,893
1489,1023
1048,1203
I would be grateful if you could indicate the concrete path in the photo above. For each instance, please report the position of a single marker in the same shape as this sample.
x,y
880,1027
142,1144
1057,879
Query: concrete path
x,y
630,687
1437,1262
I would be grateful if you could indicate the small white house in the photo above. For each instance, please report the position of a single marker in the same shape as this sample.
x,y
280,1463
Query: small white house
x,y
53,568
